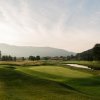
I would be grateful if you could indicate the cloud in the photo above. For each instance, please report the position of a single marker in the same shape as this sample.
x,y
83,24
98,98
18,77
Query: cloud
x,y
57,23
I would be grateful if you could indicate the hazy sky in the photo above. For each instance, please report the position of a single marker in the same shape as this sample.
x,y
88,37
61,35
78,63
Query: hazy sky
x,y
73,25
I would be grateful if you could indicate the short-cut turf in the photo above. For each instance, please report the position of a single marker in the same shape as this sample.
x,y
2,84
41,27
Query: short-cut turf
x,y
47,83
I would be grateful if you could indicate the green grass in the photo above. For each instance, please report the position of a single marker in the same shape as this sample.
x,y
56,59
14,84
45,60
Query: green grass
x,y
47,83
61,71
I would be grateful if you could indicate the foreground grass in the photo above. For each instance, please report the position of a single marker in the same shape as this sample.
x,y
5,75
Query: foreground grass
x,y
47,83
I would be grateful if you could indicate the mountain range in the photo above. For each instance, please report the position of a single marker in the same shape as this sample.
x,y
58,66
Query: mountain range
x,y
26,51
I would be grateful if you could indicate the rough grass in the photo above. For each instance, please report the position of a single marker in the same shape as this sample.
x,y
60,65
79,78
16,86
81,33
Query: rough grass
x,y
30,63
47,83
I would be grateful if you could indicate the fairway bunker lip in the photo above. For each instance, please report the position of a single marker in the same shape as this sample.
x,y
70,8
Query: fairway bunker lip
x,y
79,66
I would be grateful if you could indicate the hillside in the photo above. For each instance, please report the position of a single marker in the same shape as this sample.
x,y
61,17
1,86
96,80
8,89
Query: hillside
x,y
25,51
91,54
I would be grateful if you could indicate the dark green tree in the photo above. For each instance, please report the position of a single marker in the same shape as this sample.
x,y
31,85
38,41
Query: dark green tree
x,y
14,58
0,55
23,58
37,57
31,58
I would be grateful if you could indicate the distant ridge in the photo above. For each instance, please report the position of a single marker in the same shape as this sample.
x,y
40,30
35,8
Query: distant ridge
x,y
25,51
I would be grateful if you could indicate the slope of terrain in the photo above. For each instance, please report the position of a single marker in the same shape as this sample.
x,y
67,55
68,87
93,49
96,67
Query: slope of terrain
x,y
91,54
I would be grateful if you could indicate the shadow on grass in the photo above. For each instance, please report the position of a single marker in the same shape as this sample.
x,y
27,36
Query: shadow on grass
x,y
66,82
20,79
74,84
14,78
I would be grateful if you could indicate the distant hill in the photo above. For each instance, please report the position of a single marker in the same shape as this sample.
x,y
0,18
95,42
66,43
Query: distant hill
x,y
91,54
26,51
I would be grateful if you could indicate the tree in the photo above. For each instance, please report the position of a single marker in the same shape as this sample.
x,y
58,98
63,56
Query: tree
x,y
23,58
46,58
7,58
0,55
37,57
14,58
3,58
31,58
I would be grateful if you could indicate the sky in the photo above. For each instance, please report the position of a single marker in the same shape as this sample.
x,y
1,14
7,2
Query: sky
x,y
73,25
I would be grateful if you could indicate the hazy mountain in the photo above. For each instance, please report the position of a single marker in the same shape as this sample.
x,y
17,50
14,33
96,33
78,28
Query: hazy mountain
x,y
25,51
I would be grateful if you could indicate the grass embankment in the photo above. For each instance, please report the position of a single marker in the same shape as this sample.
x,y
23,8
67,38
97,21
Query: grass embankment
x,y
47,83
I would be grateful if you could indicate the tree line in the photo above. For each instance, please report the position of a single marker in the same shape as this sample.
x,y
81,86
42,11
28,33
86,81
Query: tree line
x,y
11,58
89,55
